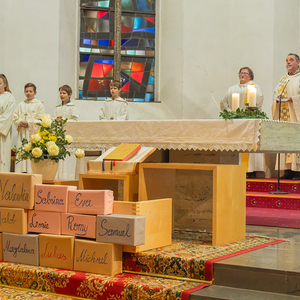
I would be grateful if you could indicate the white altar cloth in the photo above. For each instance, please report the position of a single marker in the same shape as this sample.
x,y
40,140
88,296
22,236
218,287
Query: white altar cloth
x,y
249,135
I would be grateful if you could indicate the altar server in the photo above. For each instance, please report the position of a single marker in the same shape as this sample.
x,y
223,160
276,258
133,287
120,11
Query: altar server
x,y
67,109
115,108
289,89
7,102
26,115
253,161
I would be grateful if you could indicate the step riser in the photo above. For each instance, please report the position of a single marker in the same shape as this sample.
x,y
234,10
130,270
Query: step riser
x,y
273,202
254,186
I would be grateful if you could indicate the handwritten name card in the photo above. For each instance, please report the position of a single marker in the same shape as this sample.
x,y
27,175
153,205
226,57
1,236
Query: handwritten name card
x,y
21,249
91,202
44,222
50,197
17,190
56,251
121,229
13,220
78,225
99,258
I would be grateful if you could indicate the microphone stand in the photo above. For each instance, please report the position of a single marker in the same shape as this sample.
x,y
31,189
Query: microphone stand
x,y
278,160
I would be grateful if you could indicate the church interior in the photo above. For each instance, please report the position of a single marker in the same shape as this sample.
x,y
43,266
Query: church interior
x,y
203,225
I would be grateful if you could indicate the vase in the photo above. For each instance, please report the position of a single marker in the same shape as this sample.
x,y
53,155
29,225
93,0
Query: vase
x,y
47,167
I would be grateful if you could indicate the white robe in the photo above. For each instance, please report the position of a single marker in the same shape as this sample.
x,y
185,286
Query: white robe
x,y
114,109
67,168
256,161
7,102
34,110
292,89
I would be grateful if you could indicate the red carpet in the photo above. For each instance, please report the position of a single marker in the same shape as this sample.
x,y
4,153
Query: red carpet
x,y
267,209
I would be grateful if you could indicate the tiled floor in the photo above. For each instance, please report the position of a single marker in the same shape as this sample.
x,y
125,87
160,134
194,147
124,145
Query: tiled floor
x,y
274,269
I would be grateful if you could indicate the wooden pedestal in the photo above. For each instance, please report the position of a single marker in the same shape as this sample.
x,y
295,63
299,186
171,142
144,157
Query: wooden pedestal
x,y
212,193
124,187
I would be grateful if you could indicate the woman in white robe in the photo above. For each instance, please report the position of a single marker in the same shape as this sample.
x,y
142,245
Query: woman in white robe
x,y
26,115
7,102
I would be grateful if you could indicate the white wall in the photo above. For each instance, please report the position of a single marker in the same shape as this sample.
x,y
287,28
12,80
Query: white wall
x,y
200,47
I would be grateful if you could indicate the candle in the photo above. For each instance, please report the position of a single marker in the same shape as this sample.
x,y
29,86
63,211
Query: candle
x,y
251,96
235,101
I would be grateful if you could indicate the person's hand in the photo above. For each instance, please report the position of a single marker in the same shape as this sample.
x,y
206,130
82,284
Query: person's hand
x,y
24,124
290,99
58,118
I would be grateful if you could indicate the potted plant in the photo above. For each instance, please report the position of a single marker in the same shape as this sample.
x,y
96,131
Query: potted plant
x,y
46,147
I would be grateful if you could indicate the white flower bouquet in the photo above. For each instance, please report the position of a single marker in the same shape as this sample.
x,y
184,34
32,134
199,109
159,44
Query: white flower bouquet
x,y
50,142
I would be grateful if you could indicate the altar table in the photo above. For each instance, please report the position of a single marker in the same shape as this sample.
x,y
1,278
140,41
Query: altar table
x,y
243,135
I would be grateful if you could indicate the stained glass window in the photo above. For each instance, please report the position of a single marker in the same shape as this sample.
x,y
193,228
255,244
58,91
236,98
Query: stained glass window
x,y
97,51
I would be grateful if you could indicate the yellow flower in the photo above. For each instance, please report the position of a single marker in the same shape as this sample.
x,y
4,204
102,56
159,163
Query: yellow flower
x,y
52,138
28,147
46,122
37,152
48,144
35,138
69,139
45,116
53,150
79,153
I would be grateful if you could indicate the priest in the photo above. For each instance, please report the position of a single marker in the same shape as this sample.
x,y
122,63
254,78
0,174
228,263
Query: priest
x,y
288,89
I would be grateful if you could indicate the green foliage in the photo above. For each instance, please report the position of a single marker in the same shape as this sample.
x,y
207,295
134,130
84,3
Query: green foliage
x,y
243,114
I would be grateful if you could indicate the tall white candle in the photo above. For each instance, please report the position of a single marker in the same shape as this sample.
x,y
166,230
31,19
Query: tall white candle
x,y
235,101
251,95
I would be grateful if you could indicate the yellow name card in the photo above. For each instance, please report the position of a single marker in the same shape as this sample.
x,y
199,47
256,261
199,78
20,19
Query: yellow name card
x,y
56,251
17,190
99,258
13,220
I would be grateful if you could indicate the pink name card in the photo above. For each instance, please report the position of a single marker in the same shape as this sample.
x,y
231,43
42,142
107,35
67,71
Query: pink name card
x,y
50,197
44,222
91,202
78,225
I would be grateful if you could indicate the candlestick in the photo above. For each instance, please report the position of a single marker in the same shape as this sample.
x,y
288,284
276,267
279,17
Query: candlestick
x,y
235,101
252,95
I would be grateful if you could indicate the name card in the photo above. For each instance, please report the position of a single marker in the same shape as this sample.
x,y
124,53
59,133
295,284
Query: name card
x,y
17,190
121,229
98,258
44,222
91,202
78,225
50,197
56,251
13,220
21,249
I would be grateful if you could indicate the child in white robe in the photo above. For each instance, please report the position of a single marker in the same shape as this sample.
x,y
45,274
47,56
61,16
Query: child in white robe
x,y
26,115
66,110
7,102
115,108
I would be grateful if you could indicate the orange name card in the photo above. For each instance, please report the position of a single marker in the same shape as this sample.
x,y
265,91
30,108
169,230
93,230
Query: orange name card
x,y
13,220
50,197
78,225
91,202
17,190
99,258
44,222
23,249
56,251
121,229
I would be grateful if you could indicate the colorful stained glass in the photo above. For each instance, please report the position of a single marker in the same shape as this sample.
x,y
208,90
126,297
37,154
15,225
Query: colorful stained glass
x,y
137,49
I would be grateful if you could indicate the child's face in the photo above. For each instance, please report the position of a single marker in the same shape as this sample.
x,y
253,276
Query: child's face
x,y
29,93
64,96
2,86
114,91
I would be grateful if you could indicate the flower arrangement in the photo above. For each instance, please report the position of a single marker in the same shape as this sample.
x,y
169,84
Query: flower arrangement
x,y
48,143
243,114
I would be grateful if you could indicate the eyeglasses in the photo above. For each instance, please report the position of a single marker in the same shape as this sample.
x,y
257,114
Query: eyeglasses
x,y
243,73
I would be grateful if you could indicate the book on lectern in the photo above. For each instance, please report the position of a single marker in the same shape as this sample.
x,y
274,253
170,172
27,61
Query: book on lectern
x,y
123,152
